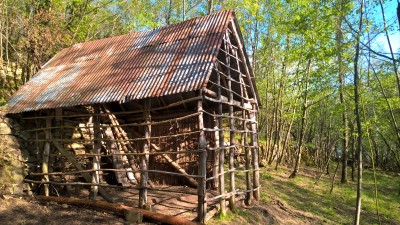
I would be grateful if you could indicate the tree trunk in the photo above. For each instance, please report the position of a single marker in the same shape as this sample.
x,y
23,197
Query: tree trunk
x,y
303,120
345,138
358,119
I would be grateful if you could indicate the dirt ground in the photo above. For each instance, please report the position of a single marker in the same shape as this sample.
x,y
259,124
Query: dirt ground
x,y
172,201
19,210
27,210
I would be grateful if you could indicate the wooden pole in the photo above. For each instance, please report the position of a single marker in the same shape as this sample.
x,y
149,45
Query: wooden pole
x,y
243,92
144,162
96,150
171,162
46,154
254,143
231,126
201,189
216,153
126,146
164,219
79,167
221,150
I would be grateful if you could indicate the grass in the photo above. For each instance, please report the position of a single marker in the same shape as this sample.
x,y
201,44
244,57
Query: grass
x,y
303,193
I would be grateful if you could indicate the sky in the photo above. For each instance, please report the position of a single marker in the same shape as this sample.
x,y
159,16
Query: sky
x,y
381,43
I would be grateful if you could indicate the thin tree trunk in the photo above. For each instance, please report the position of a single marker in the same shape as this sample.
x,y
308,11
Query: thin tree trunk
x,y
345,138
390,48
303,121
358,119
210,6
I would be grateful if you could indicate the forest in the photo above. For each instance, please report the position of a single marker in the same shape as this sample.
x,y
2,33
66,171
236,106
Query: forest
x,y
327,73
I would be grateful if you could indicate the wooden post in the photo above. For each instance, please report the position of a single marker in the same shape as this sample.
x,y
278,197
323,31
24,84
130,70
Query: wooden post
x,y
46,154
201,189
144,161
254,144
221,149
79,167
231,126
216,153
96,150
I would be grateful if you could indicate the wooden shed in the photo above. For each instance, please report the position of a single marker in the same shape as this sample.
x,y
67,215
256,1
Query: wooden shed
x,y
174,106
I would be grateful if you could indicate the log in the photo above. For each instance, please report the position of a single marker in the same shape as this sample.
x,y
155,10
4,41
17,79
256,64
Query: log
x,y
119,209
79,167
116,158
175,165
126,146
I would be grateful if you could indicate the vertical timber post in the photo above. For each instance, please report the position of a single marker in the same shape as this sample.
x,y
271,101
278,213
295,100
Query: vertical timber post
x,y
201,190
145,158
221,148
96,152
46,154
254,143
216,152
246,149
231,125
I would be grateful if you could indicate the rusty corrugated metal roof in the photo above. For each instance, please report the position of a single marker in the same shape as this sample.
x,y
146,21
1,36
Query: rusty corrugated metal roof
x,y
164,61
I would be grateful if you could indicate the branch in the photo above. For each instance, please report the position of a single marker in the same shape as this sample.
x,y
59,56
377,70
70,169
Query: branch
x,y
366,46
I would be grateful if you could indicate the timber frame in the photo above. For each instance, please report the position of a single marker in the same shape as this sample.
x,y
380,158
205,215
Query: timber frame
x,y
195,139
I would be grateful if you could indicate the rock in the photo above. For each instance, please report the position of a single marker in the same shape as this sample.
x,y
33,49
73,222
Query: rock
x,y
17,189
9,141
5,129
6,197
64,206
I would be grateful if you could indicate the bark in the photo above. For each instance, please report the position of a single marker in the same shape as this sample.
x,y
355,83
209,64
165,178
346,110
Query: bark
x,y
210,6
79,167
358,119
390,47
345,138
303,121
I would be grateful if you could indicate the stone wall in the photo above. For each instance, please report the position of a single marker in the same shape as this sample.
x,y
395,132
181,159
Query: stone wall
x,y
12,156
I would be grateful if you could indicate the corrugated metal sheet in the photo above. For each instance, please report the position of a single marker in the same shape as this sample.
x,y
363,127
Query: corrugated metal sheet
x,y
164,61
